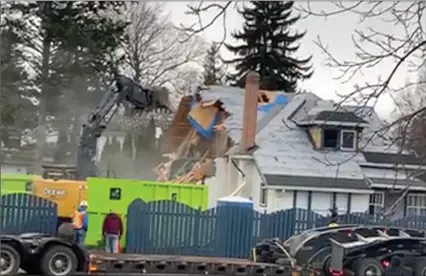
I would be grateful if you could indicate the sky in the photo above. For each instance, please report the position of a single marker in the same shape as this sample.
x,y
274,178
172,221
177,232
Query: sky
x,y
335,32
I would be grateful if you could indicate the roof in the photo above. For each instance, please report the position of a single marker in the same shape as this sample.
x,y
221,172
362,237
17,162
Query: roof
x,y
392,158
309,181
233,102
397,183
346,117
332,116
285,149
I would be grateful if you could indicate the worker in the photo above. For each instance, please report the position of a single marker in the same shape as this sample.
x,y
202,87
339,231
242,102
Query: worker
x,y
333,221
80,223
395,268
112,231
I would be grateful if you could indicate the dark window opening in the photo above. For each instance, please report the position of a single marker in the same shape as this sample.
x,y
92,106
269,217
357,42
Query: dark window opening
x,y
331,138
174,196
263,195
115,194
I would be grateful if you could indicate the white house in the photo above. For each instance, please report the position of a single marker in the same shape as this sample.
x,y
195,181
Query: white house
x,y
310,154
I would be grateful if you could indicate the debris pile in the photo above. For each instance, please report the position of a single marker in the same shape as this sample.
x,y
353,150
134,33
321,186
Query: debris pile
x,y
198,132
200,123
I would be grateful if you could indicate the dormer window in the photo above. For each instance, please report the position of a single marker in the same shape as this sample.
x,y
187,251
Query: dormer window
x,y
343,139
331,138
348,140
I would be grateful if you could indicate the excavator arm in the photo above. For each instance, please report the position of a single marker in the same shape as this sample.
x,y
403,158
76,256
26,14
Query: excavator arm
x,y
122,89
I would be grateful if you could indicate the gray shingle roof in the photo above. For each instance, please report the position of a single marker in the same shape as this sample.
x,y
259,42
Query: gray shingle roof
x,y
344,117
309,181
286,149
392,158
413,183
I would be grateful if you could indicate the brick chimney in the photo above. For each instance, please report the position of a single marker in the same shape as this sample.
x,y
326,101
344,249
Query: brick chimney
x,y
250,111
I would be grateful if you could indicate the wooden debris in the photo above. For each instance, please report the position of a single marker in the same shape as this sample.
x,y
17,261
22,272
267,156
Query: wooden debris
x,y
193,160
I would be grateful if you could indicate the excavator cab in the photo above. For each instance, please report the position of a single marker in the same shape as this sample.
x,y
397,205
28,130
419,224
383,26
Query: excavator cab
x,y
56,172
60,185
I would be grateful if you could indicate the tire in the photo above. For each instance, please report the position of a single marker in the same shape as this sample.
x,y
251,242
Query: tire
x,y
63,257
419,267
363,266
10,260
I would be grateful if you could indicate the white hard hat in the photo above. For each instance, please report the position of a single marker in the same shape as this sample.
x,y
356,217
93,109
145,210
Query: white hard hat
x,y
84,203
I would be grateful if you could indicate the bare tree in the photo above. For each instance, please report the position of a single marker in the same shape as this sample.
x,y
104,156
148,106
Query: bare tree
x,y
155,50
409,101
374,47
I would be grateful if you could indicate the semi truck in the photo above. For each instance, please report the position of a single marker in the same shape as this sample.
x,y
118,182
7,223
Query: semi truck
x,y
347,250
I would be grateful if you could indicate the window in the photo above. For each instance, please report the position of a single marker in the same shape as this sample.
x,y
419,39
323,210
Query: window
x,y
348,140
416,204
263,195
377,201
115,194
331,138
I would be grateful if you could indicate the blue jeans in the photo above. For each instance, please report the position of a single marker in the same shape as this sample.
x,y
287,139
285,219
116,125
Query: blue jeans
x,y
111,243
80,236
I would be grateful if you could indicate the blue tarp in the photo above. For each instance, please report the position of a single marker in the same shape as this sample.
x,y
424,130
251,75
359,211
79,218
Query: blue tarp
x,y
206,133
279,99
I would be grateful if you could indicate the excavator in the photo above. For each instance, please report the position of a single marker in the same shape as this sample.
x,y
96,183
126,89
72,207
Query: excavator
x,y
66,185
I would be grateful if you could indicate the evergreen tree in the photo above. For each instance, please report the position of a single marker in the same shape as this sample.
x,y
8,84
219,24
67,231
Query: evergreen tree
x,y
66,41
268,47
18,113
213,73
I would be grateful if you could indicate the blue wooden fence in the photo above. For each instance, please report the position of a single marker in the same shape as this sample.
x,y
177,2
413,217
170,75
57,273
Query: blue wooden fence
x,y
168,227
23,213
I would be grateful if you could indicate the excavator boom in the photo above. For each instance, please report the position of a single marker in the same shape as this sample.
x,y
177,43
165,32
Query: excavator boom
x,y
122,89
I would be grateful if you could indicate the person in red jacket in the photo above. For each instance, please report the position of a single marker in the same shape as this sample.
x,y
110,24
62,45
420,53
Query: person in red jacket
x,y
112,230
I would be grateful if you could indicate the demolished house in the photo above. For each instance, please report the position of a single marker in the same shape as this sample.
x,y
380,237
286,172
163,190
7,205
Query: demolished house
x,y
207,125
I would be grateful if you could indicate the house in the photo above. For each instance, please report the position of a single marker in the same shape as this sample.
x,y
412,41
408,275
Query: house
x,y
313,154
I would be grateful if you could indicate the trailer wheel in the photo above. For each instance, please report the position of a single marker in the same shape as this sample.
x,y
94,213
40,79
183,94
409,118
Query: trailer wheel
x,y
368,267
58,260
10,261
419,267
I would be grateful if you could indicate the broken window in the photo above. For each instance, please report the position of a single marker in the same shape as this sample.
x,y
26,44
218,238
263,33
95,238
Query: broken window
x,y
331,138
348,140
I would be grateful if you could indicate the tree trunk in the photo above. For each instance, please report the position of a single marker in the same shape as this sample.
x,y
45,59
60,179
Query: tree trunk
x,y
41,129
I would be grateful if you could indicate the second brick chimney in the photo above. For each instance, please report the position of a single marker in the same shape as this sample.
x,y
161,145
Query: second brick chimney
x,y
251,93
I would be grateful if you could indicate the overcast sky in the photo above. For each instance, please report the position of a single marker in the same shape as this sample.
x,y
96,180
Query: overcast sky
x,y
335,31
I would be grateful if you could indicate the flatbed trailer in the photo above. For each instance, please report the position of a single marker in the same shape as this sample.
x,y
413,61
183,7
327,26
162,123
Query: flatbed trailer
x,y
52,256
101,262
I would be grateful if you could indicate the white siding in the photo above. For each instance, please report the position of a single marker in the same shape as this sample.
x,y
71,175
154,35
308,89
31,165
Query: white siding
x,y
342,203
321,203
12,169
302,200
227,179
217,185
279,200
359,203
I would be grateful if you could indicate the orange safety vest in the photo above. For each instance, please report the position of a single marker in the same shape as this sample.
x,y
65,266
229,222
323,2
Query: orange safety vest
x,y
77,219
